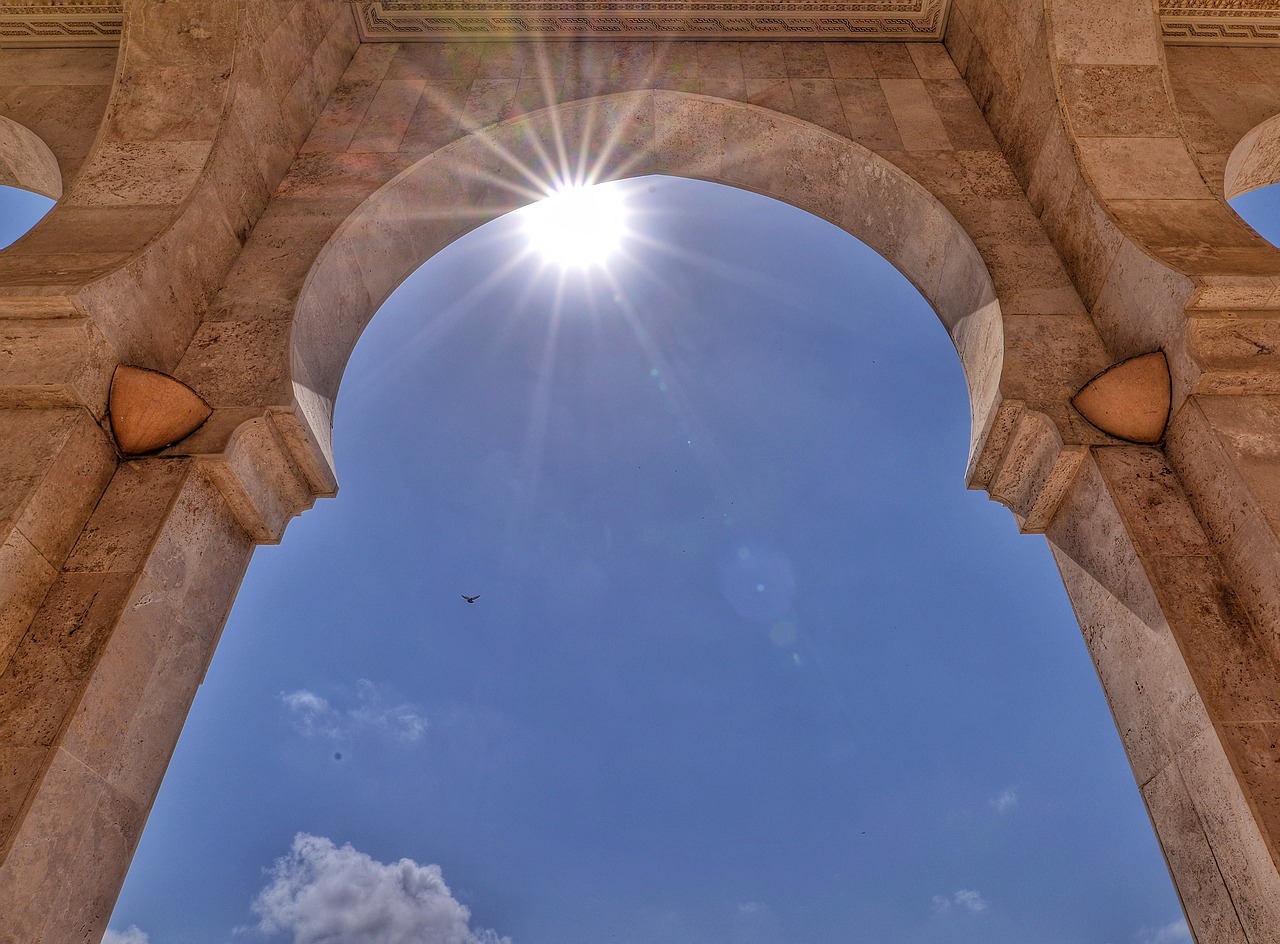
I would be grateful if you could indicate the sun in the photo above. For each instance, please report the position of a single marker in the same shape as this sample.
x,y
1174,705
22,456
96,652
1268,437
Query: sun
x,y
577,226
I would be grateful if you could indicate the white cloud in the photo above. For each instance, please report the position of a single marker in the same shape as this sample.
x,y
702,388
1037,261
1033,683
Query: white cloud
x,y
967,898
131,936
325,894
1005,800
374,709
1176,932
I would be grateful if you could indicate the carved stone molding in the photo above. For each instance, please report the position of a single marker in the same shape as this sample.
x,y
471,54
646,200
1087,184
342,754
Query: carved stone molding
x,y
60,24
401,20
1221,22
97,23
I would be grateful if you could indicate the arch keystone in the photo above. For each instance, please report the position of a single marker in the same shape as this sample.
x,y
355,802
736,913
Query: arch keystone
x,y
150,410
1129,400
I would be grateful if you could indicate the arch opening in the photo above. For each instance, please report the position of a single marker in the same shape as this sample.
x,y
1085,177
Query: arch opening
x,y
474,371
29,177
491,172
23,210
1251,181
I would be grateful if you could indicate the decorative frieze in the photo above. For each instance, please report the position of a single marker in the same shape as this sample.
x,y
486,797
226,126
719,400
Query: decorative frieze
x,y
61,24
1221,22
1200,22
418,20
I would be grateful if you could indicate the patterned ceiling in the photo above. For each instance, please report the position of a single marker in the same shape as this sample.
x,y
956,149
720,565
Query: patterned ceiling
x,y
98,23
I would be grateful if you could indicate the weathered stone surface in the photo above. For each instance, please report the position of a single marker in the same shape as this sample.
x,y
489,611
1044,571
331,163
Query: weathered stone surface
x,y
245,183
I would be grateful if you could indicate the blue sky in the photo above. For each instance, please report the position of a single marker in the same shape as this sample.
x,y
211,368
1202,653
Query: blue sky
x,y
749,665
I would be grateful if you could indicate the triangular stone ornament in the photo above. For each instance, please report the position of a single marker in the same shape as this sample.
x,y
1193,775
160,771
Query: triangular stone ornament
x,y
1131,400
150,410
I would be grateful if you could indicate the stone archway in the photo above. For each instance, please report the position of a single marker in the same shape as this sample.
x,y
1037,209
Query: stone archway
x,y
26,161
187,242
496,170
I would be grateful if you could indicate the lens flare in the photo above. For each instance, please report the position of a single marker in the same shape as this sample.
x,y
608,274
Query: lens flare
x,y
577,226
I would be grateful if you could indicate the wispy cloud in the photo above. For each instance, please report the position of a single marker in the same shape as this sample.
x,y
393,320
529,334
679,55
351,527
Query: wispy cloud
x,y
132,936
1175,932
1005,800
966,898
373,710
321,893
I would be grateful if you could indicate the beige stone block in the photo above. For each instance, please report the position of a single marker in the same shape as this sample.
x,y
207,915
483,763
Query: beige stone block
x,y
1240,853
342,116
384,123
64,271
158,173
764,61
451,62
849,61
1202,890
1141,168
46,672
488,101
816,102
1048,358
238,363
261,485
932,61
1152,502
806,60
69,488
436,120
99,731
58,66
25,576
87,891
1234,292
1122,32
1118,101
892,61
692,134
1152,698
122,229
1089,531
26,161
962,119
1089,239
773,94
340,180
1139,303
1232,667
54,362
919,124
867,111
43,852
371,61
142,104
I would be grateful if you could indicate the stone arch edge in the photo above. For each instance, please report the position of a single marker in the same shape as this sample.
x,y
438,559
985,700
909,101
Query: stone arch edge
x,y
493,171
26,162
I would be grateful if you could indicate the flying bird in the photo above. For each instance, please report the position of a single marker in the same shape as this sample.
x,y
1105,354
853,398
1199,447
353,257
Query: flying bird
x,y
471,599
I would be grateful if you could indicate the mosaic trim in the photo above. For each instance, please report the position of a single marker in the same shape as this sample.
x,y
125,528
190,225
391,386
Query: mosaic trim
x,y
427,20
1221,22
61,24
71,23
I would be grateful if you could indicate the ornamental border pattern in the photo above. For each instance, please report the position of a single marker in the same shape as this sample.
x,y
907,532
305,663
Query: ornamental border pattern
x,y
1221,22
418,20
79,24
1183,22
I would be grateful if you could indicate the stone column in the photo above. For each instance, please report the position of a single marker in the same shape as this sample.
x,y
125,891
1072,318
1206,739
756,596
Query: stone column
x,y
94,694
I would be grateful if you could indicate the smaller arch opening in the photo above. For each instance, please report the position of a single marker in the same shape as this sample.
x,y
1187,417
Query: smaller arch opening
x,y
1260,208
30,180
20,210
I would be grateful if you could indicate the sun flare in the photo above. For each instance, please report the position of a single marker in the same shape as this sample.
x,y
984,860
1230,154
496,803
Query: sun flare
x,y
577,226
